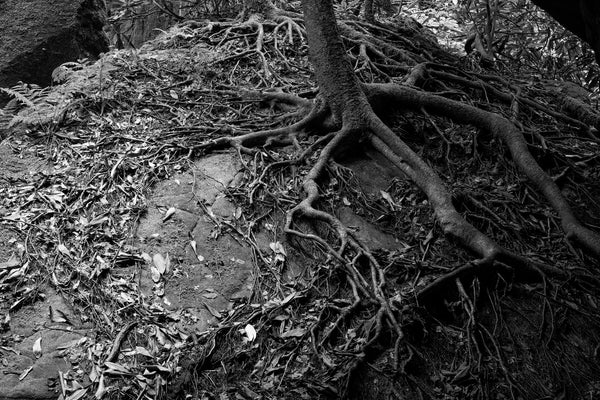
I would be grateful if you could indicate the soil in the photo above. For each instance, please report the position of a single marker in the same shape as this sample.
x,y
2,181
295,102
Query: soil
x,y
205,263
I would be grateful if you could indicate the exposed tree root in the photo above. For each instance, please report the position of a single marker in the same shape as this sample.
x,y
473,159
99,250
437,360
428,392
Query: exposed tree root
x,y
502,128
348,114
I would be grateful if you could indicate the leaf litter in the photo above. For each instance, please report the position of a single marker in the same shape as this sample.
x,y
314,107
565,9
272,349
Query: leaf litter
x,y
141,122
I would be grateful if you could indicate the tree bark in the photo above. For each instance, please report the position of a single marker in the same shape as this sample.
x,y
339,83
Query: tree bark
x,y
337,82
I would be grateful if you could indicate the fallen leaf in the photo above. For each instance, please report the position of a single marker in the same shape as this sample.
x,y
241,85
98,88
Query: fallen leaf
x,y
115,369
37,347
142,351
250,332
15,216
387,197
160,263
101,388
25,373
78,394
198,256
297,332
63,249
279,251
11,263
146,257
155,274
57,316
213,311
169,213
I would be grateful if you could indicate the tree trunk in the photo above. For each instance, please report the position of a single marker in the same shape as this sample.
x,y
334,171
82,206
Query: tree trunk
x,y
368,13
337,82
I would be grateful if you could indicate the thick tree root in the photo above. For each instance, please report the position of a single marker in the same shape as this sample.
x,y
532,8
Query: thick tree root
x,y
381,96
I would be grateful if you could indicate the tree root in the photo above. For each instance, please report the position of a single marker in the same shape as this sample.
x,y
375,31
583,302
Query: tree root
x,y
352,119
499,127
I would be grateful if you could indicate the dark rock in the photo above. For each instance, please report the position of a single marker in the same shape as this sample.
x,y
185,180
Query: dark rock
x,y
38,36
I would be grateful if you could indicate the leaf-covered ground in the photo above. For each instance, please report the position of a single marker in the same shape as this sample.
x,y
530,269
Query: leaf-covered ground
x,y
136,123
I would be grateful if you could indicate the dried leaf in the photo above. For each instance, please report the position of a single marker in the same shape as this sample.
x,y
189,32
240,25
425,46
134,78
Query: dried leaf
x,y
213,311
57,316
155,274
63,249
160,263
101,388
25,373
297,332
37,348
386,196
78,394
198,256
143,351
250,332
15,216
12,262
169,213
115,369
146,257
279,251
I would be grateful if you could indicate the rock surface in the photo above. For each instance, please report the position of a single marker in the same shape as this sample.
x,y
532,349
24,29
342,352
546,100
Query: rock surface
x,y
219,270
24,374
38,36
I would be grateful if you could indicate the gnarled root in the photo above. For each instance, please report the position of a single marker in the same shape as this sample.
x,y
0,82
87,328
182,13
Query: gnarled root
x,y
500,127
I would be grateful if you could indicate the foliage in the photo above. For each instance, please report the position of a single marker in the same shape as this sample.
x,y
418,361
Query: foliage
x,y
524,37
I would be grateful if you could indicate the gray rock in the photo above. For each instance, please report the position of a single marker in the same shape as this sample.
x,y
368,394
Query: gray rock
x,y
38,36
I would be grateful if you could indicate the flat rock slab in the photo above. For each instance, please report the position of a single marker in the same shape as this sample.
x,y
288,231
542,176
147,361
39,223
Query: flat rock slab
x,y
27,375
205,280
23,374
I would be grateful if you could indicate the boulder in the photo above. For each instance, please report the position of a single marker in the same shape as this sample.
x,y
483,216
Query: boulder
x,y
36,36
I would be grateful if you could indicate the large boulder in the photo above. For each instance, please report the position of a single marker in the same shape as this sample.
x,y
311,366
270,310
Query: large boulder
x,y
36,36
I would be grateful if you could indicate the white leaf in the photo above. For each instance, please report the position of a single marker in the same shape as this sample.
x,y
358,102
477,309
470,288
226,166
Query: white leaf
x,y
115,369
37,348
386,196
169,213
101,388
297,332
250,332
155,274
142,351
77,395
25,373
198,256
160,263
146,257
63,249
